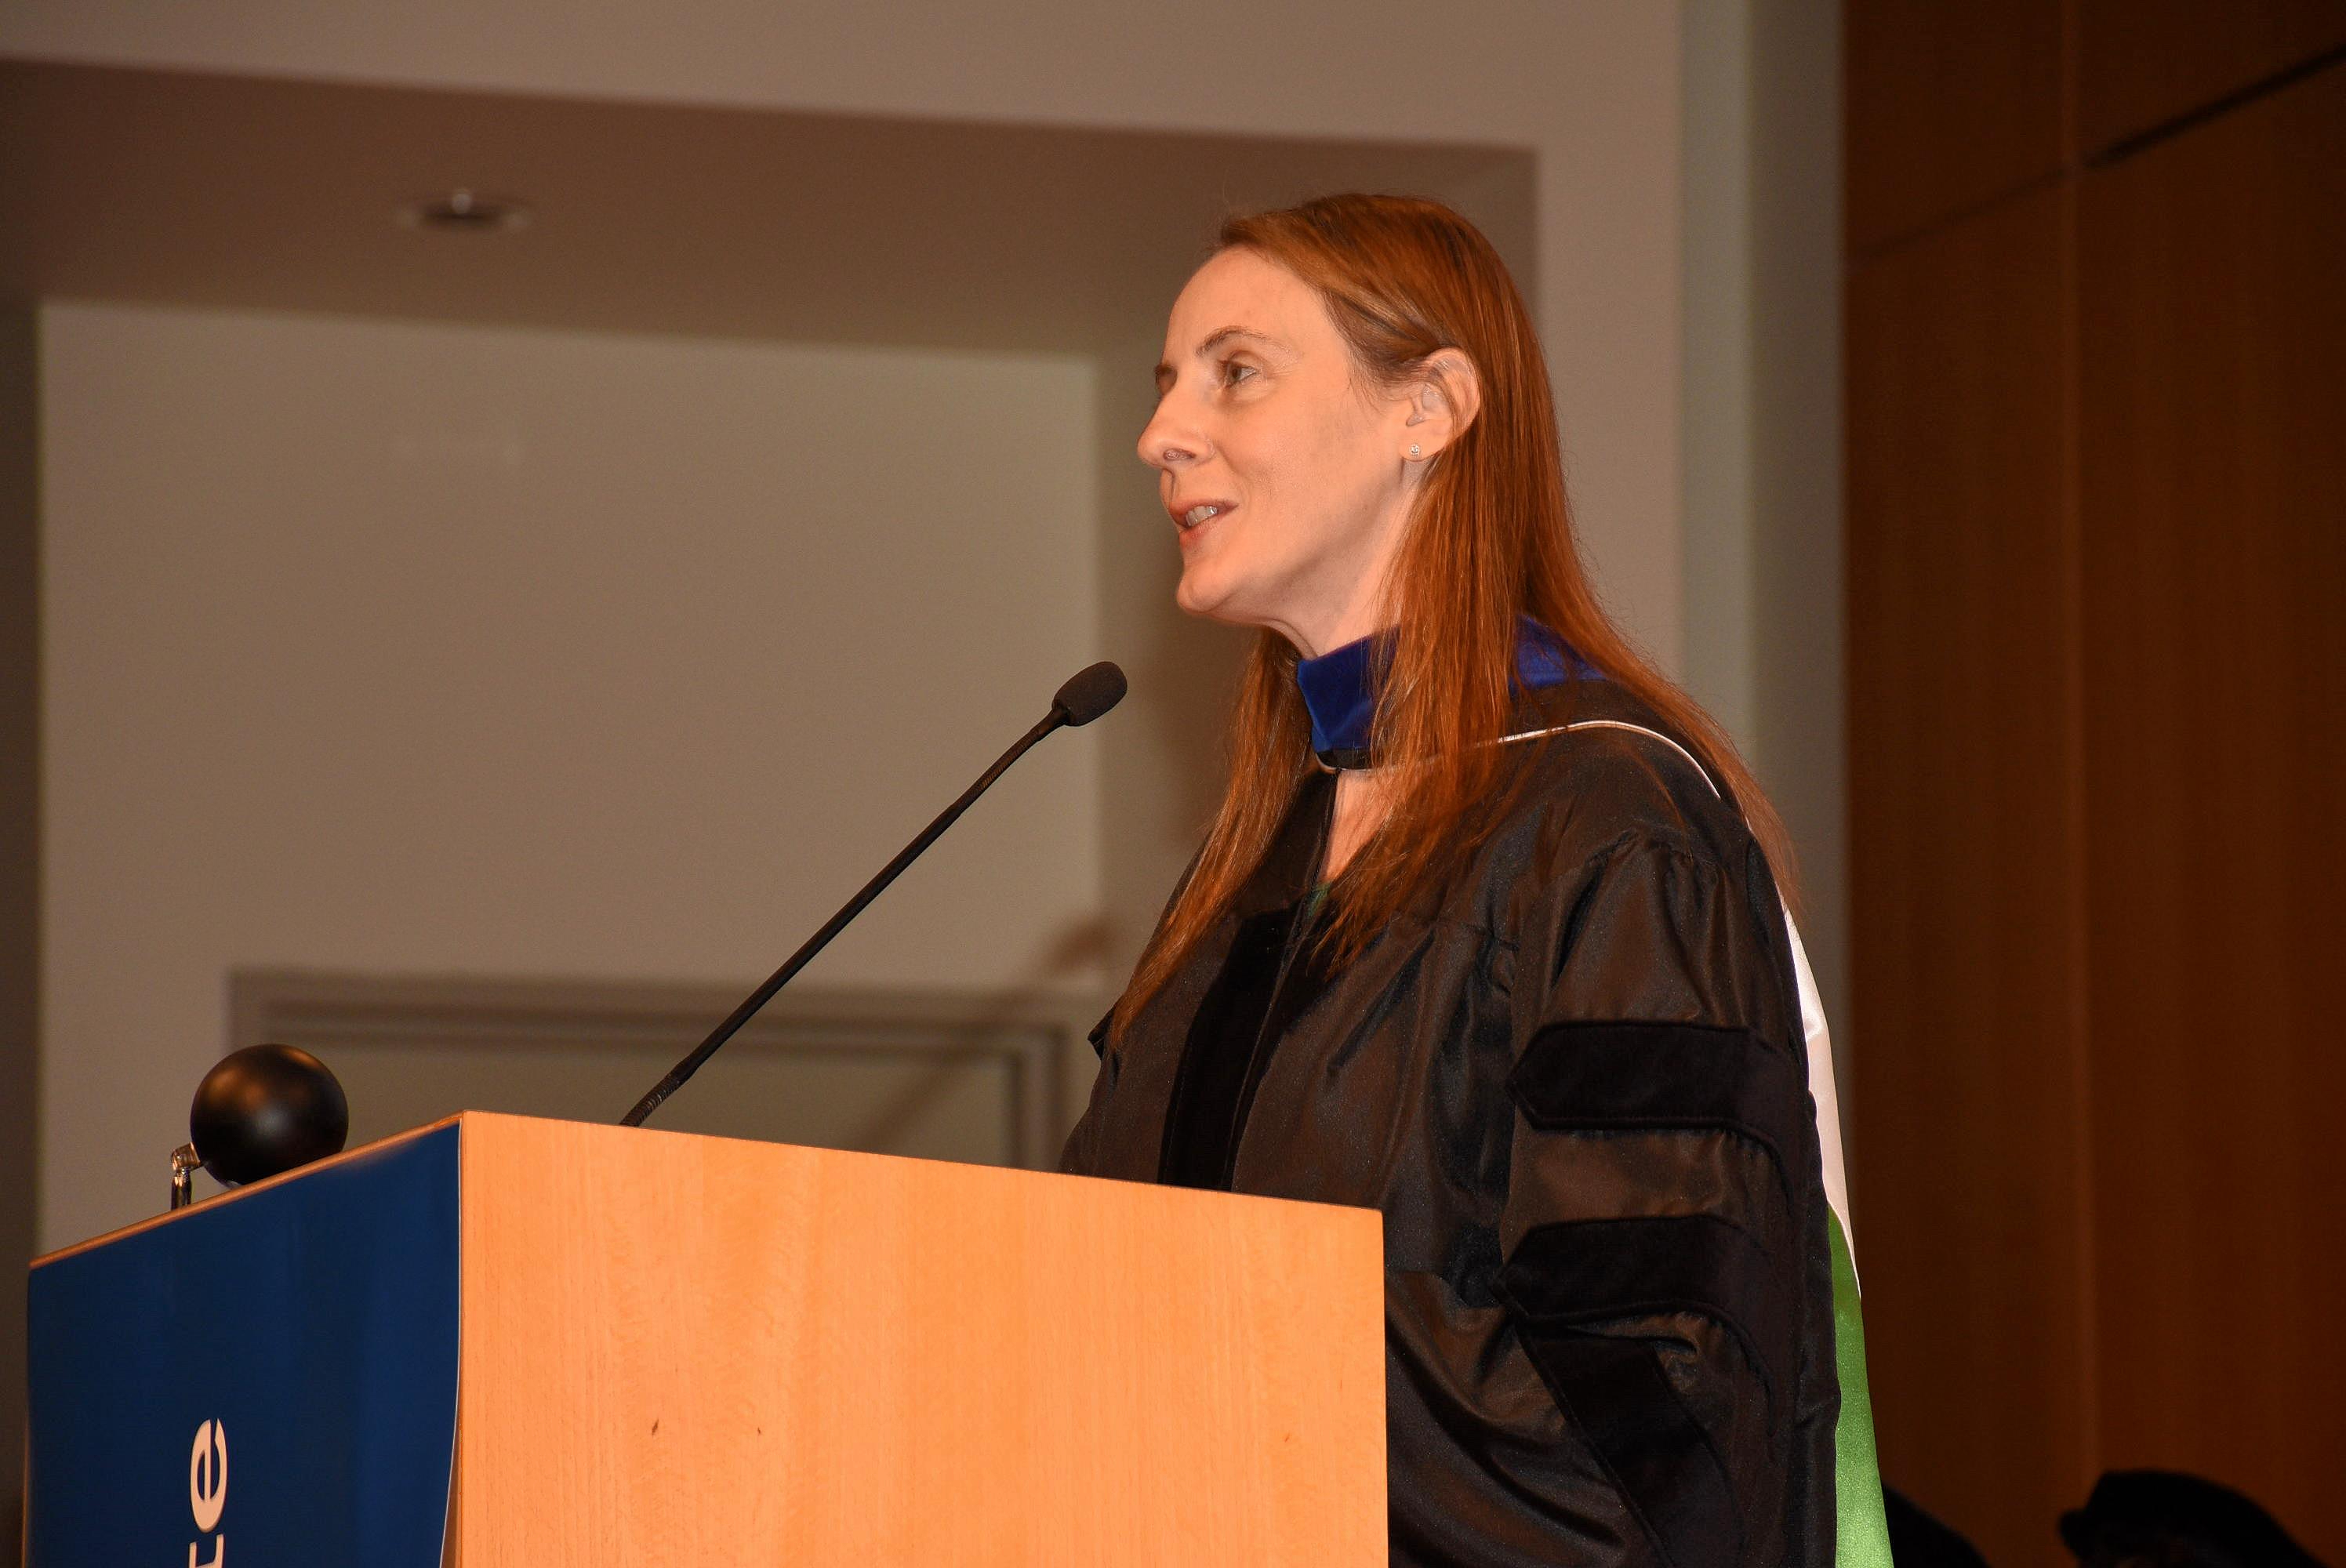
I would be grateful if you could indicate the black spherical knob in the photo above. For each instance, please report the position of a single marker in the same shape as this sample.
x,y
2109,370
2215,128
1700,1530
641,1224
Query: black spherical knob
x,y
266,1109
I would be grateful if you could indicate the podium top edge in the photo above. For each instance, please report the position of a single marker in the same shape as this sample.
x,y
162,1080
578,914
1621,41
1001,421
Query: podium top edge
x,y
208,1204
484,1120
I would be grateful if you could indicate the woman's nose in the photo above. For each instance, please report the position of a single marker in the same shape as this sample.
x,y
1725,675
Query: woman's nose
x,y
1168,441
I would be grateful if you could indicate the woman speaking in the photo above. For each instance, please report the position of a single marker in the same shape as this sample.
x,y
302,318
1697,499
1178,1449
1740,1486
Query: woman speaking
x,y
1485,934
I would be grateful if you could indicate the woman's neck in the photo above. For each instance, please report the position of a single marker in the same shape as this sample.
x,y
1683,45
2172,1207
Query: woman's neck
x,y
1362,801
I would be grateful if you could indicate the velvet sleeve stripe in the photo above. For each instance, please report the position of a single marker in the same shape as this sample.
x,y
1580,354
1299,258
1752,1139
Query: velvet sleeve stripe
x,y
1634,1074
1669,1471
1577,1274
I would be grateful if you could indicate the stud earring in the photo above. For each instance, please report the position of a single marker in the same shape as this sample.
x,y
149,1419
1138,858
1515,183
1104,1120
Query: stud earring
x,y
1413,451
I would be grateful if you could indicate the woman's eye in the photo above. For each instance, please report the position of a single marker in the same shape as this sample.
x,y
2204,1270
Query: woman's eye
x,y
1234,371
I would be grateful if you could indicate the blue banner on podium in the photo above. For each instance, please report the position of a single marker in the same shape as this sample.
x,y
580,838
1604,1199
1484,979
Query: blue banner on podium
x,y
276,1368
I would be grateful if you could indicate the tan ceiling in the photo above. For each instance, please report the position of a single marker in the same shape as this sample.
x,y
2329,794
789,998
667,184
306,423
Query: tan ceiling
x,y
166,186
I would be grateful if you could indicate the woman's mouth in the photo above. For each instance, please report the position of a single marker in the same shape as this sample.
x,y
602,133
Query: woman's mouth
x,y
1192,521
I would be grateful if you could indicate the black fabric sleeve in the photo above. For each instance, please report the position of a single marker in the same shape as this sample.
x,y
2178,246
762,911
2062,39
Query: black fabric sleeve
x,y
1628,1393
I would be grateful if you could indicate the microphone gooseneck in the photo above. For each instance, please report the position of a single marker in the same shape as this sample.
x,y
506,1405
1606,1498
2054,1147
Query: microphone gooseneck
x,y
1089,694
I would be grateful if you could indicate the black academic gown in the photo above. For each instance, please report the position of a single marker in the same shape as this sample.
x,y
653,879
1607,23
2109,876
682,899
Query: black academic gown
x,y
1574,1081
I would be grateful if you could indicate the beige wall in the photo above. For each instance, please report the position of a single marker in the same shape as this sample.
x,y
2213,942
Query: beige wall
x,y
1591,87
1796,581
425,650
1762,436
1685,353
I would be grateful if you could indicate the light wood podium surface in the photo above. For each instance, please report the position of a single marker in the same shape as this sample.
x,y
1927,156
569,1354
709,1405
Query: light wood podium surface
x,y
691,1350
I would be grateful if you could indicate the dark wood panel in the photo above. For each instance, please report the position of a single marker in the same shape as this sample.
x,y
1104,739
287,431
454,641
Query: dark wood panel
x,y
2141,62
2213,483
1946,105
1965,865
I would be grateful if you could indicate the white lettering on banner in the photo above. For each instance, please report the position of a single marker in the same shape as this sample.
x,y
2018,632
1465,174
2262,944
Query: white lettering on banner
x,y
208,1474
208,1488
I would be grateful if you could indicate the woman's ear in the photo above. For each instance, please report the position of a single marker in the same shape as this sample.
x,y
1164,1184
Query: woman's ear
x,y
1443,396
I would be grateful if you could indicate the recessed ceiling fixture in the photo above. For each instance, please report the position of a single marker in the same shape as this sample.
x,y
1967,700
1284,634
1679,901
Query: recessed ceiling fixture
x,y
466,211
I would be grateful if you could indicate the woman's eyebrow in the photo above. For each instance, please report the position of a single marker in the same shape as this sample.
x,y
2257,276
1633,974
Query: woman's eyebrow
x,y
1212,341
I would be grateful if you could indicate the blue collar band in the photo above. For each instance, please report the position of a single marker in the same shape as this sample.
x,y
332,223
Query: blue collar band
x,y
1340,686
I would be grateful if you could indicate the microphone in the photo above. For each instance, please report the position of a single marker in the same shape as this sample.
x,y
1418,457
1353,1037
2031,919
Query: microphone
x,y
1089,693
259,1110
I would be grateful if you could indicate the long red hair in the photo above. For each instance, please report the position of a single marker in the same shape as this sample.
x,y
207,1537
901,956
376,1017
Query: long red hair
x,y
1490,539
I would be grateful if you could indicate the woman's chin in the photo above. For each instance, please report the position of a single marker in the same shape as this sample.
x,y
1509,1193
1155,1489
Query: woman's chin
x,y
1217,597
1200,593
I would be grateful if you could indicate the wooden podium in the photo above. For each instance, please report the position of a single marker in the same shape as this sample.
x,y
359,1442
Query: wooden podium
x,y
671,1349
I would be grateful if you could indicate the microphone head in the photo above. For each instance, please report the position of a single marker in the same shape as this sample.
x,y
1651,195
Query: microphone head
x,y
1089,693
266,1109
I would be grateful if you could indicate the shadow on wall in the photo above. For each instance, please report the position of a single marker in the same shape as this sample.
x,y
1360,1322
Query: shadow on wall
x,y
993,1075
